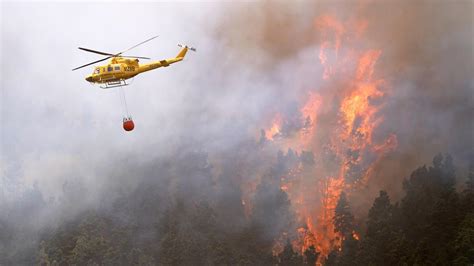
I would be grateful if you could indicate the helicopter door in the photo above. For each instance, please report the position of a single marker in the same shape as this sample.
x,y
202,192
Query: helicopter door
x,y
107,73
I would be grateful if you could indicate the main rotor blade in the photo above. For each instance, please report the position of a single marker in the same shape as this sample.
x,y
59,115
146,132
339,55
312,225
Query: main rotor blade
x,y
131,56
113,55
138,45
102,53
92,63
94,51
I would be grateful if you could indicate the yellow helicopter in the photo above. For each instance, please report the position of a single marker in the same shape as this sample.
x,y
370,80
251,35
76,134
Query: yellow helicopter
x,y
121,67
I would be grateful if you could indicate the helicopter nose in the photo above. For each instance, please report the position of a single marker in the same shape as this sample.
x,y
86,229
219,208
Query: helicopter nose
x,y
89,78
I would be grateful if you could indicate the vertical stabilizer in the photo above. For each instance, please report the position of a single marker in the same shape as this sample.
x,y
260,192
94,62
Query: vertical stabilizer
x,y
183,51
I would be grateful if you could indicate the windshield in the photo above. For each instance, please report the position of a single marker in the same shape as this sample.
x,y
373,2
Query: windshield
x,y
97,70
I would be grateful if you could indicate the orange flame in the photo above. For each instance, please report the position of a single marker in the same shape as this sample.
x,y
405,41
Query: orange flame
x,y
275,128
309,113
359,97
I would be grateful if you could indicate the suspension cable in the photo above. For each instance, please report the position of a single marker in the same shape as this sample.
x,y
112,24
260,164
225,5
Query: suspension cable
x,y
124,101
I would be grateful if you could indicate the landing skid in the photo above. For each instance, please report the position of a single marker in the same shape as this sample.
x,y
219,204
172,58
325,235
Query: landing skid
x,y
114,84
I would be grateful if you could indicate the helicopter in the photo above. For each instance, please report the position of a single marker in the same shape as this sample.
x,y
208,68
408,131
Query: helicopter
x,y
121,68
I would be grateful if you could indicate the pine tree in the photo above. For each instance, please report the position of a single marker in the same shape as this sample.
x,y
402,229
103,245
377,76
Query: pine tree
x,y
470,179
444,220
332,258
464,242
251,247
343,219
177,245
272,208
344,224
380,244
311,256
42,258
468,192
430,212
288,257
348,253
190,237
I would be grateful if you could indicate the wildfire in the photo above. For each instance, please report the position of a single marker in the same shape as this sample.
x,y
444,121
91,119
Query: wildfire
x,y
357,104
309,113
275,128
355,236
330,189
343,142
329,26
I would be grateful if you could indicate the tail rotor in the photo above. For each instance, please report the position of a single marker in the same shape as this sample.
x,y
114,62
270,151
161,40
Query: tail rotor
x,y
185,46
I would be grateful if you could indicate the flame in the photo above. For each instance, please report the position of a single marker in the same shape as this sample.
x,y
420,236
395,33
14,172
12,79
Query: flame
x,y
309,113
344,145
326,238
329,26
358,105
275,128
355,236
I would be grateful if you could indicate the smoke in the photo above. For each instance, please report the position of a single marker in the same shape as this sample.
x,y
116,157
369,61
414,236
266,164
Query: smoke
x,y
423,71
427,59
199,122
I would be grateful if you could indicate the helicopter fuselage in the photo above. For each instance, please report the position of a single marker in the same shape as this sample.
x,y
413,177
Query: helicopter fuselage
x,y
119,68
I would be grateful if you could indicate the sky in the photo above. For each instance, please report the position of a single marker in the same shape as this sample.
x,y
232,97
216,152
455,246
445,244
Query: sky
x,y
54,122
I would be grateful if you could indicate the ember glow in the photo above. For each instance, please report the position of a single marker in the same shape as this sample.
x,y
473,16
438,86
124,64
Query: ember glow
x,y
275,129
339,120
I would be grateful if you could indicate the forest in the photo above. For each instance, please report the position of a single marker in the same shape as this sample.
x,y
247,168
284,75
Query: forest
x,y
205,223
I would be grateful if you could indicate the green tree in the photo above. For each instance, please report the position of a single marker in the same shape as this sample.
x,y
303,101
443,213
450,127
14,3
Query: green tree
x,y
288,257
272,208
348,253
180,243
430,212
42,258
311,256
464,242
332,258
250,247
89,241
343,219
468,192
91,244
380,245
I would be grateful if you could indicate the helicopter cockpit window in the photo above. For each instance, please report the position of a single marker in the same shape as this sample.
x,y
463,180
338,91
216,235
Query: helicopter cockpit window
x,y
97,71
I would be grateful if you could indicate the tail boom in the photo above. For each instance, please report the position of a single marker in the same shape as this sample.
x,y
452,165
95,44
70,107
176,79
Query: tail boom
x,y
166,62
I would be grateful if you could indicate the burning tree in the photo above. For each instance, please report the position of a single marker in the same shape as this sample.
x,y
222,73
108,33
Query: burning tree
x,y
343,218
337,126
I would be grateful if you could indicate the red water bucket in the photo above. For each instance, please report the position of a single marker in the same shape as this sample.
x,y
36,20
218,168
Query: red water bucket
x,y
128,124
